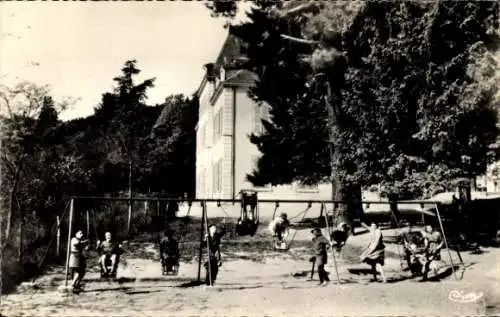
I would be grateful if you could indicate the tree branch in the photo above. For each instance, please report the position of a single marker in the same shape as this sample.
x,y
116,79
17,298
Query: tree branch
x,y
303,8
299,40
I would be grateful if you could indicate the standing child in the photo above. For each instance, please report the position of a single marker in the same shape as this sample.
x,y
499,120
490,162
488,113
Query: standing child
x,y
77,261
320,247
213,239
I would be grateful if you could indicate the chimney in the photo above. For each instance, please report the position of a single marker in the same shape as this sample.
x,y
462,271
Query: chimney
x,y
209,72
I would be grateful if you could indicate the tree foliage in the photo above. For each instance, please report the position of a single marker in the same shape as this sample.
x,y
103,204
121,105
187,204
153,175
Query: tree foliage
x,y
408,87
45,161
293,144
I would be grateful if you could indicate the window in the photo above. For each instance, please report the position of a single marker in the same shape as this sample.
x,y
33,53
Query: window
x,y
218,125
217,180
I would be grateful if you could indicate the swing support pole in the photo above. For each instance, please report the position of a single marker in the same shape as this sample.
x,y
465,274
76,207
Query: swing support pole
x,y
446,242
200,253
208,246
333,252
68,248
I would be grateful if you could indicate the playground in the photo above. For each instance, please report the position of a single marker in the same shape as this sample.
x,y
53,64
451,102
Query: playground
x,y
256,279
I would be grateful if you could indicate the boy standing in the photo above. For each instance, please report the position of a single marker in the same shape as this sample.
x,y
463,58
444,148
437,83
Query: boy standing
x,y
213,240
77,260
320,246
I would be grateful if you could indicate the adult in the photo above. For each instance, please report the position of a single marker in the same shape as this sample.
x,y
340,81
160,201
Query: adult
x,y
374,252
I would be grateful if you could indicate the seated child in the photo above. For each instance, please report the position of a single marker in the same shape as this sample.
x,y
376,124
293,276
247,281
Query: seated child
x,y
109,251
339,236
279,227
169,252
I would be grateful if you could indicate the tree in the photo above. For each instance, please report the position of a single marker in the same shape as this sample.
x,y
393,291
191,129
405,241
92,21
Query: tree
x,y
283,88
22,104
170,154
392,114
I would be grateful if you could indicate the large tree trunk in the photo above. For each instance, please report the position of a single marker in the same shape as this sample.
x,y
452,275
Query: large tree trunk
x,y
341,190
351,210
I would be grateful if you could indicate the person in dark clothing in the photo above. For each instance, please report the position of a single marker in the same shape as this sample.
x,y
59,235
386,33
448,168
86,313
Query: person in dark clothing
x,y
169,252
433,242
213,239
320,247
339,236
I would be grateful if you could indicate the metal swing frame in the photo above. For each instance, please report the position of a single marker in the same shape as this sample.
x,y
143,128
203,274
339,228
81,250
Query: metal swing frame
x,y
274,201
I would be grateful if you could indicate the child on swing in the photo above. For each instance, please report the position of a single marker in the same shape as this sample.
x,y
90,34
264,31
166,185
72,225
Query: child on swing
x,y
374,252
279,228
433,243
169,252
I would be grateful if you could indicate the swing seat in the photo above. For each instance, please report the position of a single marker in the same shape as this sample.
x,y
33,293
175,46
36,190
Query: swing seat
x,y
109,269
170,266
280,245
246,227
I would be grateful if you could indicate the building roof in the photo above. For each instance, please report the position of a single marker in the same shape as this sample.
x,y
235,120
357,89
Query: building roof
x,y
231,58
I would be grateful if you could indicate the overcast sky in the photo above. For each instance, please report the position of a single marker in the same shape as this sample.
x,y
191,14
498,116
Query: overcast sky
x,y
78,47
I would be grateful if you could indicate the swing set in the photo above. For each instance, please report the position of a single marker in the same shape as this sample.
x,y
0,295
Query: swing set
x,y
250,218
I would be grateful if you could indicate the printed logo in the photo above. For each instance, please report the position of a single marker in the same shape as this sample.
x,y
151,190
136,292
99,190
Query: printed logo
x,y
461,297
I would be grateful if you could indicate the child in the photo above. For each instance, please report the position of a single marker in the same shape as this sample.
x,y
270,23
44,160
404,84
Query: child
x,y
169,252
320,246
77,260
279,227
340,235
374,252
109,251
433,245
213,239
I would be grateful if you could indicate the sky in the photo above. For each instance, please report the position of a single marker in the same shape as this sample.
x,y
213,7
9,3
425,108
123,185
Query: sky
x,y
79,47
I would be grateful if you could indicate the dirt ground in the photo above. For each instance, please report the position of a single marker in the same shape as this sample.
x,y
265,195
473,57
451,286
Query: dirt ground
x,y
253,282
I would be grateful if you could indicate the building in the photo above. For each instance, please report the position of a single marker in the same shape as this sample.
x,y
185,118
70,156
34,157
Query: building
x,y
227,116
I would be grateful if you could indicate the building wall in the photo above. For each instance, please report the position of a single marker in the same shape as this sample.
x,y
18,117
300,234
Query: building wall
x,y
204,143
214,158
248,121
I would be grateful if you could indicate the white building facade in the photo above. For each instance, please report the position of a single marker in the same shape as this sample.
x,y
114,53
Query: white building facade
x,y
227,116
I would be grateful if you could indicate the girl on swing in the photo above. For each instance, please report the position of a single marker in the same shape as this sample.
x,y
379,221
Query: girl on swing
x,y
279,228
374,252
